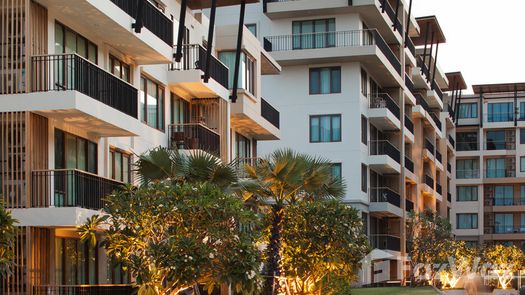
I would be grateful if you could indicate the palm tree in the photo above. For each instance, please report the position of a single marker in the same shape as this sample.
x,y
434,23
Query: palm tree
x,y
284,178
169,164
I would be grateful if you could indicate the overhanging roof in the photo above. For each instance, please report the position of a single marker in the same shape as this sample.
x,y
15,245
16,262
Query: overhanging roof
x,y
498,88
456,81
431,25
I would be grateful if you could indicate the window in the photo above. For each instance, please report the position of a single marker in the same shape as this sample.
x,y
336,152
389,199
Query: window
x,y
364,83
246,70
325,80
467,169
68,41
75,262
467,220
468,110
72,152
522,136
467,141
364,130
364,178
467,193
313,33
120,166
500,112
336,171
522,164
244,147
252,28
496,140
503,195
522,111
325,128
119,68
151,103
504,223
180,110
495,168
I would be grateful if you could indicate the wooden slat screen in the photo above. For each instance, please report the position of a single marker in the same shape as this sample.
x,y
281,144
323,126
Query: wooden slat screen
x,y
37,157
16,284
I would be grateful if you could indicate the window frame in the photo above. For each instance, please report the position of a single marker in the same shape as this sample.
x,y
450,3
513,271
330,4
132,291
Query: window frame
x,y
328,41
252,25
364,130
332,71
471,220
340,165
112,166
364,178
473,196
63,152
471,113
331,116
77,36
160,105
122,64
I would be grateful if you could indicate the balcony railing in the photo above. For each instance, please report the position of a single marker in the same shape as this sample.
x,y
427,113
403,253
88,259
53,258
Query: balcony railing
x,y
384,147
467,173
384,101
392,15
409,164
504,229
504,202
466,146
421,64
270,113
449,167
449,197
355,38
410,45
153,19
452,141
385,195
410,84
439,158
436,88
500,173
62,72
409,124
495,117
422,102
84,289
385,242
195,136
72,188
429,181
494,145
439,189
435,119
409,205
451,111
194,58
429,146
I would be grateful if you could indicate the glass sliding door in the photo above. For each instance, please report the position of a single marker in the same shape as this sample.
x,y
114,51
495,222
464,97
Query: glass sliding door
x,y
311,34
495,168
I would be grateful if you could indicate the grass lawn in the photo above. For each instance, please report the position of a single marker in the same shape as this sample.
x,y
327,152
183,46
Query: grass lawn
x,y
394,291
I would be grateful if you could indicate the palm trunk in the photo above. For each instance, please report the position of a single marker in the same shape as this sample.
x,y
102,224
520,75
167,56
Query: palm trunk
x,y
273,263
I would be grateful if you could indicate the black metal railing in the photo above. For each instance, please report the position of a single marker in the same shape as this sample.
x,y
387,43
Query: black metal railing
x,y
429,146
195,136
72,72
392,15
439,189
491,201
194,58
409,205
422,102
451,111
508,144
436,88
409,124
385,195
410,84
84,290
410,45
72,188
452,141
409,164
153,19
465,146
384,147
354,38
449,167
449,197
421,64
439,158
383,100
270,113
385,242
435,119
429,181
267,45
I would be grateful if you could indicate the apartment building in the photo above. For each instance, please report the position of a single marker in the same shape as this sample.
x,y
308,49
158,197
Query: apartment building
x,y
490,168
361,86
87,85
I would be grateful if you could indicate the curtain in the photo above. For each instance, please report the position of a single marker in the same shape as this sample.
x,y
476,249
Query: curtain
x,y
336,128
314,129
325,129
325,80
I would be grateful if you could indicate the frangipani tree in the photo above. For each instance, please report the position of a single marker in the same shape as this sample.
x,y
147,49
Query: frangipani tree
x,y
462,262
7,241
505,261
171,237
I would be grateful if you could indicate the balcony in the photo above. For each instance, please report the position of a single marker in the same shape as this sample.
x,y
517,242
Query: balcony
x,y
409,164
506,229
429,146
195,136
365,46
255,117
451,141
409,124
508,144
383,17
491,201
111,21
84,289
420,74
409,205
435,96
436,120
186,77
270,113
385,202
71,188
384,112
384,157
385,242
152,18
429,180
439,189
439,158
500,173
449,197
73,90
449,167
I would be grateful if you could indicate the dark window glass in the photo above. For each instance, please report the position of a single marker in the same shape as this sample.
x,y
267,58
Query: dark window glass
x,y
467,193
180,110
252,28
467,141
337,171
73,152
120,165
500,112
152,103
119,68
68,41
325,80
364,83
311,34
244,147
325,128
495,140
364,178
468,110
522,136
364,130
467,220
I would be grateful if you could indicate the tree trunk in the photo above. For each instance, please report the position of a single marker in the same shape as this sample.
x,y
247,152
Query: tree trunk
x,y
273,263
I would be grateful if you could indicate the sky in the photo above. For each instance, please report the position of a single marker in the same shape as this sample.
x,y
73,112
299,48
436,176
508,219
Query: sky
x,y
485,38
